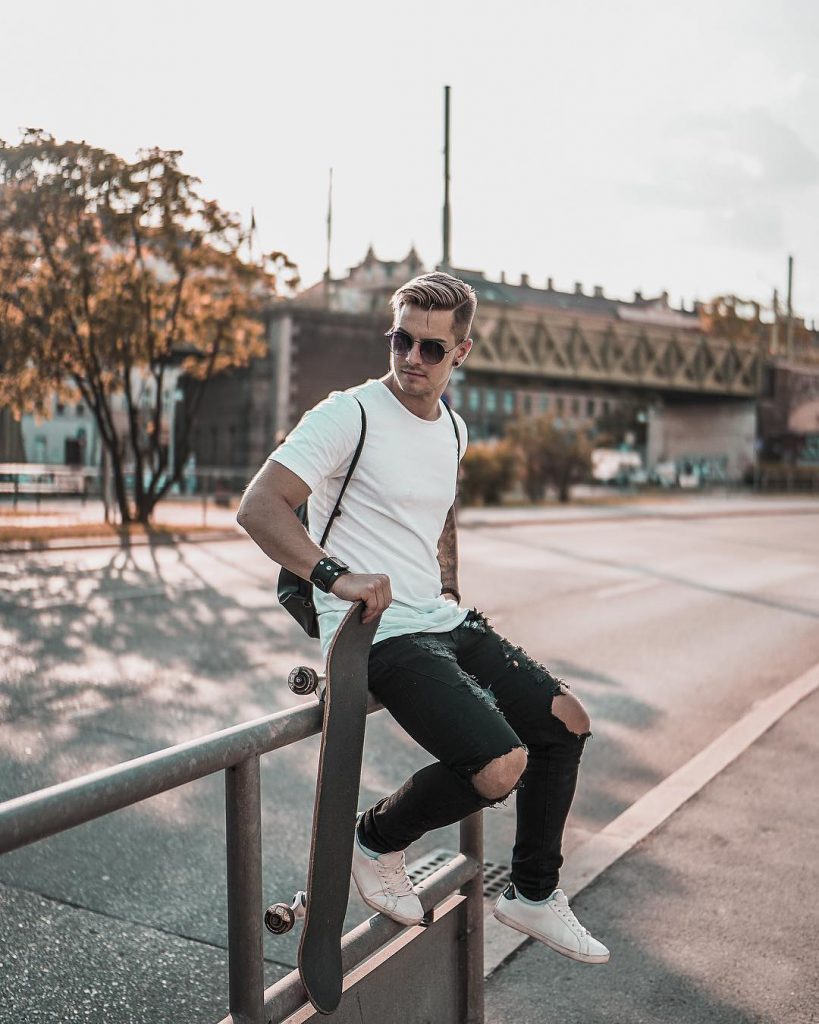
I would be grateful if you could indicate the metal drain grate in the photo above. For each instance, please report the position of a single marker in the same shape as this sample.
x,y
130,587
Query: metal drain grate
x,y
495,876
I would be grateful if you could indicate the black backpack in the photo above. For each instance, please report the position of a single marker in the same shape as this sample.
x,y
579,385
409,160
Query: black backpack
x,y
296,594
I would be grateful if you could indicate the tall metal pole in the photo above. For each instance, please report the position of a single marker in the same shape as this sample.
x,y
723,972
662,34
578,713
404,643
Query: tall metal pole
x,y
243,834
789,326
329,237
472,924
447,254
775,324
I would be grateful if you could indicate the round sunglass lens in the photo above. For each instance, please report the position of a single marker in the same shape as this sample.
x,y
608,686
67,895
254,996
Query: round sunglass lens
x,y
400,343
432,351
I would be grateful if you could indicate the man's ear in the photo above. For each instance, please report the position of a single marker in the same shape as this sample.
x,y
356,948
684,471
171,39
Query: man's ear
x,y
464,347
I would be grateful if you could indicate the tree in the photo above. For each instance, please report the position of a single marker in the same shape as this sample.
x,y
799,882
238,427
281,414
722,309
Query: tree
x,y
487,470
113,275
738,320
549,456
722,317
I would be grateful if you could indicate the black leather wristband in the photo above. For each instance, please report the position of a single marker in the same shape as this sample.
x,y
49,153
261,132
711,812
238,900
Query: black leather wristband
x,y
453,591
326,572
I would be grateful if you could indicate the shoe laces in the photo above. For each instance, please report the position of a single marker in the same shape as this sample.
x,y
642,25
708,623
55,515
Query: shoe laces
x,y
561,906
392,872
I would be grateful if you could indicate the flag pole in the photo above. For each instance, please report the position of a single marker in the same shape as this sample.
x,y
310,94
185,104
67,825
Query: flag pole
x,y
447,214
329,236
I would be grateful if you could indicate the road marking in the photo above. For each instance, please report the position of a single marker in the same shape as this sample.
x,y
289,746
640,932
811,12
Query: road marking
x,y
589,860
626,588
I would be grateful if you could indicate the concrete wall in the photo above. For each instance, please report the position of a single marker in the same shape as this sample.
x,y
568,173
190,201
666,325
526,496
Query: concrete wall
x,y
707,430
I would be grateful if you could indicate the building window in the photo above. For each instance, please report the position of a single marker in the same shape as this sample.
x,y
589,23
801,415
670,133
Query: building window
x,y
508,402
60,408
490,403
590,406
527,405
561,405
606,406
575,407
544,403
474,399
80,409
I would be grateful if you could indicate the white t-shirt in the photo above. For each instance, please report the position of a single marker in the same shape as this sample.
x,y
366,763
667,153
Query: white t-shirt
x,y
395,506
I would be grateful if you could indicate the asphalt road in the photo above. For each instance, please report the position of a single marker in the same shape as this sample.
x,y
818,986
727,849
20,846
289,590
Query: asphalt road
x,y
669,629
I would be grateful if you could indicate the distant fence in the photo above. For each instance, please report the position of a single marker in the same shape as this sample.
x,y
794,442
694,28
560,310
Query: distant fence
x,y
23,479
778,477
24,484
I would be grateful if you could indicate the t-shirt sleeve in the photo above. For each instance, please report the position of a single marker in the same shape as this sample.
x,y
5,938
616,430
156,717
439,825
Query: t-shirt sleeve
x,y
323,441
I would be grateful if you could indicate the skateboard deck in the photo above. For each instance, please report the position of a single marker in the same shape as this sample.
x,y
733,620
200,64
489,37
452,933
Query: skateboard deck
x,y
334,812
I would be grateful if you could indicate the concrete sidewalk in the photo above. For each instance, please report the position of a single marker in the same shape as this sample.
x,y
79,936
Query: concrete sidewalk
x,y
611,508
193,523
713,918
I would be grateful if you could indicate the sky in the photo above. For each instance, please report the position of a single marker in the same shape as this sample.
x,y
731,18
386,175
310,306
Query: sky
x,y
638,145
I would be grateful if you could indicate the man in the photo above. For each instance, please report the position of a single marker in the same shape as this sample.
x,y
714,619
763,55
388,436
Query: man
x,y
495,720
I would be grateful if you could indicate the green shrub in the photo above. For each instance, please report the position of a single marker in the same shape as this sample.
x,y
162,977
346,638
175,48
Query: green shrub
x,y
550,456
488,468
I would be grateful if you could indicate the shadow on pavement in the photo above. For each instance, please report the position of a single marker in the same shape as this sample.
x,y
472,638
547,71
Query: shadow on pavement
x,y
710,920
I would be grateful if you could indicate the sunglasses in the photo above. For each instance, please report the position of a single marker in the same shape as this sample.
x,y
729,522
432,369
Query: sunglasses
x,y
401,343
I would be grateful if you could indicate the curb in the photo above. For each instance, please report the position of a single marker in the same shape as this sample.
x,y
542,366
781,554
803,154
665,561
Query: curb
x,y
79,543
621,517
591,859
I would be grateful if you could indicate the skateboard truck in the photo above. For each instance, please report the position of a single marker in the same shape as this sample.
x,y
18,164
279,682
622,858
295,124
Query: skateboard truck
x,y
303,680
281,917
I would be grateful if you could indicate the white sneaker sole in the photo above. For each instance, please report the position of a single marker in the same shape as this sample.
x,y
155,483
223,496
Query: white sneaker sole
x,y
571,954
391,914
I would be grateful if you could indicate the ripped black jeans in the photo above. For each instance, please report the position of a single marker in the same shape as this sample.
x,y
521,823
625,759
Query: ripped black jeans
x,y
468,697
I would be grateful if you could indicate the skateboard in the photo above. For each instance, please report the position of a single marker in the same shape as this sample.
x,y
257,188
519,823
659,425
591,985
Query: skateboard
x,y
324,904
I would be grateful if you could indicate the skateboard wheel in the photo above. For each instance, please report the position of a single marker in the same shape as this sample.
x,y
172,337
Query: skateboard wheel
x,y
303,680
279,918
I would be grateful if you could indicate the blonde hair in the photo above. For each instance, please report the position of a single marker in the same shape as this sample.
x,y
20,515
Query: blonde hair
x,y
438,290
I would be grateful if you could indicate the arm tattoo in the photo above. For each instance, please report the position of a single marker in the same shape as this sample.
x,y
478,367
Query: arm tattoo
x,y
448,552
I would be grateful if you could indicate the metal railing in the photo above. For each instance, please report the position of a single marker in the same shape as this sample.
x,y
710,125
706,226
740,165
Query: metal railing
x,y
236,751
53,487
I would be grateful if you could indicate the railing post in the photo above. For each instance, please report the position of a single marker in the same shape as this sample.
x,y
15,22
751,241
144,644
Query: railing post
x,y
243,828
472,934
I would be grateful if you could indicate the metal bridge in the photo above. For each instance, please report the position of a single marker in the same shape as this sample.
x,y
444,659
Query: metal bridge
x,y
564,346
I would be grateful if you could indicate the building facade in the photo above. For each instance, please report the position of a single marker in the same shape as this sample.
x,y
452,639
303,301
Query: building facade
x,y
578,355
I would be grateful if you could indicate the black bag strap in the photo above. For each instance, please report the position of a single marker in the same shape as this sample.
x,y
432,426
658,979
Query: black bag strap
x,y
337,510
455,425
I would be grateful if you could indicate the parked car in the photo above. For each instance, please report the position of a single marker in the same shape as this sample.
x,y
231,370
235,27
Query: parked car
x,y
611,465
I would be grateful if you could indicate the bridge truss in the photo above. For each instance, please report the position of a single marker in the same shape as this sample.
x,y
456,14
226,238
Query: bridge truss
x,y
610,352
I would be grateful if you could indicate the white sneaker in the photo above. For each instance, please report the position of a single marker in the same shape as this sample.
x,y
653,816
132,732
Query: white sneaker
x,y
551,922
384,884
